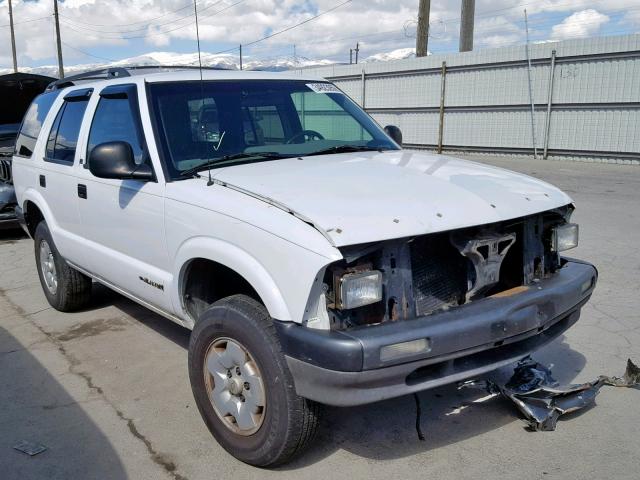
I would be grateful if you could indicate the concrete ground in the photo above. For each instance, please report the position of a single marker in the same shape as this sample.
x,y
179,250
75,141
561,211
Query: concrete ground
x,y
106,390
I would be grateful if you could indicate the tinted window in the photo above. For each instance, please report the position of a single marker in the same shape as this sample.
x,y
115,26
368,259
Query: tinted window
x,y
201,123
63,138
325,115
32,123
114,122
263,125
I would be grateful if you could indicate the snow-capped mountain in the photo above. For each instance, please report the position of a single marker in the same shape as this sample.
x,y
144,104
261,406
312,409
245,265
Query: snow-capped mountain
x,y
225,61
399,54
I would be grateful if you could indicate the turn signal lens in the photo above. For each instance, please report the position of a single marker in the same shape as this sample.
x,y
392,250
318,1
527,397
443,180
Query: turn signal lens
x,y
404,349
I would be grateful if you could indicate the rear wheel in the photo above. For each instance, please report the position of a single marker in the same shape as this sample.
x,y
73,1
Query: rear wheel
x,y
243,387
66,289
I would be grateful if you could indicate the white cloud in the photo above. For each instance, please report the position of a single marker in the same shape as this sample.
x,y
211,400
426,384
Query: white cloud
x,y
96,25
580,24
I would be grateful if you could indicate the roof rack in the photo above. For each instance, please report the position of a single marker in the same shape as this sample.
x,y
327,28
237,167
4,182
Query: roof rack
x,y
117,72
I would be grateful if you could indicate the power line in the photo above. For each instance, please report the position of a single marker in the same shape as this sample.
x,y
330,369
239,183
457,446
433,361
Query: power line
x,y
25,21
153,34
87,53
288,28
146,27
135,23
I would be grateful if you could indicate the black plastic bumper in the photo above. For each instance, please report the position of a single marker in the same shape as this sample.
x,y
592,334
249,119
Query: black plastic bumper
x,y
7,202
344,368
21,220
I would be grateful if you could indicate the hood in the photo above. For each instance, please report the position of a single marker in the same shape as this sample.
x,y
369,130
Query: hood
x,y
369,196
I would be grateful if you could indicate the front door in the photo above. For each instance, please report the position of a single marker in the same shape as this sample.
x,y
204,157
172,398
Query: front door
x,y
123,220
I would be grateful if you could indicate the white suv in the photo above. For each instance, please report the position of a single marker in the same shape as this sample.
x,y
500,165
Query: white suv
x,y
313,258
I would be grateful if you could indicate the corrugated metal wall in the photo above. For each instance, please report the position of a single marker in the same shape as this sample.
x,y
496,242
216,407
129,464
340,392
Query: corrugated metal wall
x,y
595,106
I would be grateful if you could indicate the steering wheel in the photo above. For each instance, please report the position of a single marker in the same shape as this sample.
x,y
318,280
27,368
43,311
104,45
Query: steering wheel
x,y
305,134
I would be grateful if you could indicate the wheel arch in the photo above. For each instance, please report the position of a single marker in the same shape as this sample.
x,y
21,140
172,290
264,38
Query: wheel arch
x,y
237,266
35,209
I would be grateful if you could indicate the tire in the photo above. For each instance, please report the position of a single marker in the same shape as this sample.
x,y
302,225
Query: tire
x,y
66,289
286,422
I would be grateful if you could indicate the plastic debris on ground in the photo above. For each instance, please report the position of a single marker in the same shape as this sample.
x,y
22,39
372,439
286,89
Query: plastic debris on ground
x,y
543,400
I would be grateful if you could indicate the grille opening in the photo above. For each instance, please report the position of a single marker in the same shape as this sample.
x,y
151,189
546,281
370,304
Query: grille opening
x,y
440,274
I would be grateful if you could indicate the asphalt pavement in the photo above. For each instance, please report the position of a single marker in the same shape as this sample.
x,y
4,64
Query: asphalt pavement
x,y
106,390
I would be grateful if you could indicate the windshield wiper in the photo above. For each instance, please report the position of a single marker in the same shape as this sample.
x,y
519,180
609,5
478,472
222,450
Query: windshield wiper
x,y
221,161
345,149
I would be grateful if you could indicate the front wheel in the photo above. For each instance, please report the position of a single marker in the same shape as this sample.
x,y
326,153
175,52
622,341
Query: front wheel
x,y
242,385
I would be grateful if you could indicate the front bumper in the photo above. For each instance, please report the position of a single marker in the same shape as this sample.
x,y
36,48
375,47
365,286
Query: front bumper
x,y
7,204
344,368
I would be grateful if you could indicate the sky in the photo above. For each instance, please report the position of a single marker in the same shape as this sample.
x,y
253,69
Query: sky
x,y
106,30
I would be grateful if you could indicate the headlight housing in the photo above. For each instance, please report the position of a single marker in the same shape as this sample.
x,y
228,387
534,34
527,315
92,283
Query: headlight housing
x,y
564,237
358,289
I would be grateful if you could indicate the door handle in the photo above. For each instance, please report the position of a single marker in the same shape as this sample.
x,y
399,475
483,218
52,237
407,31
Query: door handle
x,y
82,190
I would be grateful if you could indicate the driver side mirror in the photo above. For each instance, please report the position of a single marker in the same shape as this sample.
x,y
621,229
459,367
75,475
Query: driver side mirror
x,y
395,133
115,160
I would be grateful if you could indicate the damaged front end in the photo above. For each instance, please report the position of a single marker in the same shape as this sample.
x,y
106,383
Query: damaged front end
x,y
420,276
402,316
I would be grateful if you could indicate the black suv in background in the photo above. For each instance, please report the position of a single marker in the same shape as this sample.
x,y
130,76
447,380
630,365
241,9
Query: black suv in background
x,y
17,90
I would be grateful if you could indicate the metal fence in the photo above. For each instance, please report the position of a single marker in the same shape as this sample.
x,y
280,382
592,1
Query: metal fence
x,y
586,96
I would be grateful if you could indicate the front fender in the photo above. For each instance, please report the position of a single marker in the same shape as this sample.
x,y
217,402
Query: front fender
x,y
237,260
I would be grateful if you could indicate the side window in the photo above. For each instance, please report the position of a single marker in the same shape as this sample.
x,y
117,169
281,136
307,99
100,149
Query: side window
x,y
63,137
114,121
32,123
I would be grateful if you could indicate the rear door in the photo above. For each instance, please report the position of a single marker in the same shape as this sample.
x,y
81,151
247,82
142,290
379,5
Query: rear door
x,y
123,220
55,175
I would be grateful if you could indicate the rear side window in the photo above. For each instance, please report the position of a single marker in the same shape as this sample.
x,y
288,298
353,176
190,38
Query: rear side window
x,y
32,123
115,121
63,138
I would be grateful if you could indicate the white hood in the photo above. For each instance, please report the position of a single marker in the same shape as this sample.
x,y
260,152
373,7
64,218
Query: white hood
x,y
370,196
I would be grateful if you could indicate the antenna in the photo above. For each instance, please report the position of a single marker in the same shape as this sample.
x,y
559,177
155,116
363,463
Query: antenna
x,y
195,9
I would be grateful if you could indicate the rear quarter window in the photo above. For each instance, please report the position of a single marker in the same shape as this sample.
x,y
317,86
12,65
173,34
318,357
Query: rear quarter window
x,y
32,123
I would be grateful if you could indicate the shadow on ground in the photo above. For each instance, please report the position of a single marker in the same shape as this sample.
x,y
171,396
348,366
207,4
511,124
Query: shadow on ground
x,y
11,235
38,409
387,430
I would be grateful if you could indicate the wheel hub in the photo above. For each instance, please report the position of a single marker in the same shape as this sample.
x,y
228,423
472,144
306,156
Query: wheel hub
x,y
48,267
234,386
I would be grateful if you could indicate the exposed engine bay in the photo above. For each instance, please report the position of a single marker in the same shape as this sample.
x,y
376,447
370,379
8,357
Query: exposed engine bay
x,y
436,272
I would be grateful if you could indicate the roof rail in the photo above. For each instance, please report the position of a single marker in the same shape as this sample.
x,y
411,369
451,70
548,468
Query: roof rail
x,y
102,74
117,72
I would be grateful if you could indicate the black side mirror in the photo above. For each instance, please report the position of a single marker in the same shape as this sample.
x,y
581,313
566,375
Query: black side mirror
x,y
115,160
395,133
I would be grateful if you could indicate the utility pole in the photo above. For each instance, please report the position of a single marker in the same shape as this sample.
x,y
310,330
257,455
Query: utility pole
x,y
13,40
58,41
422,36
357,50
240,56
350,56
466,25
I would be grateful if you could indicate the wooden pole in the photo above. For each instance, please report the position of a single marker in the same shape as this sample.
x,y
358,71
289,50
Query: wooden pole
x,y
13,40
58,41
422,36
